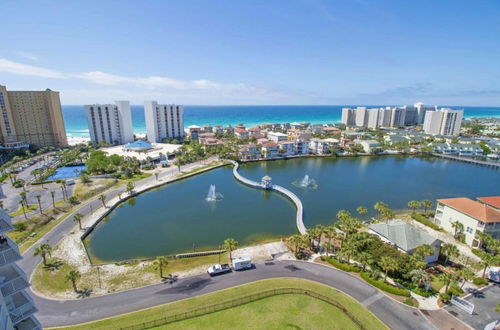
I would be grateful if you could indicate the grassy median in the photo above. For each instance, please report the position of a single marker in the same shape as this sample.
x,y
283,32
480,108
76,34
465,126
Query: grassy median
x,y
282,311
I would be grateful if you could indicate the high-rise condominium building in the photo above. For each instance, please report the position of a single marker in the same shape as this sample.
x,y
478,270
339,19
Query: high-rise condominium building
x,y
422,109
110,123
32,117
163,121
17,309
348,116
361,116
443,122
384,117
372,118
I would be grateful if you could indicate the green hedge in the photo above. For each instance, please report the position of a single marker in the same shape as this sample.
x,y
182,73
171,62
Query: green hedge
x,y
478,252
420,218
342,266
385,286
480,281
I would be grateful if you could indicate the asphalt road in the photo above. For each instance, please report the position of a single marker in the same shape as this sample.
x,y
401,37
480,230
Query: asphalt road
x,y
59,313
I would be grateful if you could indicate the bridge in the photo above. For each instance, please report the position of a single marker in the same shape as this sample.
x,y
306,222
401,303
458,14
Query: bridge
x,y
296,200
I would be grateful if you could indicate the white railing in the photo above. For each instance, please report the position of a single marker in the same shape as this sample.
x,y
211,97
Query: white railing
x,y
23,311
15,283
9,252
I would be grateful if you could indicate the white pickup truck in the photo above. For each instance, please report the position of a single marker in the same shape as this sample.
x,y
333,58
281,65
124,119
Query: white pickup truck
x,y
218,269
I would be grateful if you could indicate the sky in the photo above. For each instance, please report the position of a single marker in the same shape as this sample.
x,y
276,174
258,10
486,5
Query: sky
x,y
234,52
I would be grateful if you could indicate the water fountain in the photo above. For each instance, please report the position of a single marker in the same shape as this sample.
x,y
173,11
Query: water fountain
x,y
213,196
305,182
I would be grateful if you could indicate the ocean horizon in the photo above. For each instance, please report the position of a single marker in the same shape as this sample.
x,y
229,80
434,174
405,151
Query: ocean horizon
x,y
76,121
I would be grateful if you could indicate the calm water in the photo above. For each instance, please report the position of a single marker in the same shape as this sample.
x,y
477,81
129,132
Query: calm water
x,y
76,121
173,218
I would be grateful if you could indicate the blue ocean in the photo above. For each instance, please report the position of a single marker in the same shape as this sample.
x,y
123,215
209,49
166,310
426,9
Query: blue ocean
x,y
76,121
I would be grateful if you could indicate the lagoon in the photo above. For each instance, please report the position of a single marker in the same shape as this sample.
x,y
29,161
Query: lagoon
x,y
177,217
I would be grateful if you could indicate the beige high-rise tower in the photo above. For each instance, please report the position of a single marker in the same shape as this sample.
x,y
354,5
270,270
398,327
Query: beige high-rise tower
x,y
33,117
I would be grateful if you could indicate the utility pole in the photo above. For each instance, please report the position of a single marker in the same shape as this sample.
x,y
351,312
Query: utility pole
x,y
99,276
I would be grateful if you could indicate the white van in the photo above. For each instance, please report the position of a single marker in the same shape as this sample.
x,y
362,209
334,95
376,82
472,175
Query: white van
x,y
242,263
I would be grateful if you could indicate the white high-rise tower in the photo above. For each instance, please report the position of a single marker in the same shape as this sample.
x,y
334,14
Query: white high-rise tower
x,y
163,121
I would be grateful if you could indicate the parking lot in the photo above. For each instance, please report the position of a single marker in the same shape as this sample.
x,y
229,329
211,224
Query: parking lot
x,y
484,302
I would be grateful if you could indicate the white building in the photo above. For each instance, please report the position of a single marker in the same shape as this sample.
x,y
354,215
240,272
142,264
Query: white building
x,y
17,309
422,110
443,122
361,116
163,121
110,123
372,118
369,146
398,116
348,116
276,136
384,117
475,216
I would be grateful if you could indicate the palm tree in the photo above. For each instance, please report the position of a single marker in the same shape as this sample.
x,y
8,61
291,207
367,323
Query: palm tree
x,y
38,198
102,198
53,195
78,217
297,241
426,204
419,276
320,230
330,233
73,276
21,205
465,274
130,187
488,260
388,264
348,224
459,227
160,263
63,187
388,214
379,207
22,194
364,258
361,210
413,205
230,244
43,250
327,247
349,248
424,250
450,251
446,278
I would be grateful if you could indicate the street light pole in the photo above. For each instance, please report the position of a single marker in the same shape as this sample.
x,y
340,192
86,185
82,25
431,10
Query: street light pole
x,y
99,276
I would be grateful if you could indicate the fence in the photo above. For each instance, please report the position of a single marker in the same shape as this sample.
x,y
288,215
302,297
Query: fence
x,y
241,301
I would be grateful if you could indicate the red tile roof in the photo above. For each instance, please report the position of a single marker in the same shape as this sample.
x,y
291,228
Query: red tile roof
x,y
491,201
476,210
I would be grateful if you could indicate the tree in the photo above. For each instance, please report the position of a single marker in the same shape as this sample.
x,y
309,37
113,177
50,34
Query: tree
x,y
459,228
297,241
424,250
365,258
73,276
63,187
230,244
347,223
361,210
21,205
38,198
426,204
53,195
130,187
160,263
388,214
380,207
78,217
449,251
349,248
102,198
419,277
388,264
320,230
446,278
22,194
43,250
413,205
331,233
465,274
487,260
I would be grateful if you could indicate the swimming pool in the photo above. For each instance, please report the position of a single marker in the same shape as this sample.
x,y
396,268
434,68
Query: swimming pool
x,y
67,172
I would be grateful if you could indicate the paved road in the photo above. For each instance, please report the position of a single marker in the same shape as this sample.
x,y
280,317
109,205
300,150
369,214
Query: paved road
x,y
395,315
59,313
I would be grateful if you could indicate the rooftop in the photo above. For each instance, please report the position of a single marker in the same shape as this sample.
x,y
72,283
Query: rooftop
x,y
139,145
402,234
493,201
476,210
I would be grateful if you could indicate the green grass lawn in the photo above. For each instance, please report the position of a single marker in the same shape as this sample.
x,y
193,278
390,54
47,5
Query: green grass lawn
x,y
19,211
278,312
436,283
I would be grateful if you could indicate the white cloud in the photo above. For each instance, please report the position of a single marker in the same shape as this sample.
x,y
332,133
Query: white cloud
x,y
28,56
28,70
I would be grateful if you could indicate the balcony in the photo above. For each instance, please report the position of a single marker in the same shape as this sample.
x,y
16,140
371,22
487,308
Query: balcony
x,y
20,306
9,252
12,280
31,323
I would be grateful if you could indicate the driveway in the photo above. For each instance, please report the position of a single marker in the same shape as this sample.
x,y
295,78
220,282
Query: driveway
x,y
484,302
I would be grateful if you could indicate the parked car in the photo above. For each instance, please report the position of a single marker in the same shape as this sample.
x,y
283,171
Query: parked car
x,y
218,269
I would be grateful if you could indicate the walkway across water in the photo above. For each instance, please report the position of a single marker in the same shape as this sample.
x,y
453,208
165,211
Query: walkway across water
x,y
296,200
469,160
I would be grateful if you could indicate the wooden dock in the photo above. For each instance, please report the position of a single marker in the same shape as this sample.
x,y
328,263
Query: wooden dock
x,y
469,160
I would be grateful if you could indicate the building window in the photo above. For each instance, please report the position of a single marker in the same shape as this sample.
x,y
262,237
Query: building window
x,y
469,230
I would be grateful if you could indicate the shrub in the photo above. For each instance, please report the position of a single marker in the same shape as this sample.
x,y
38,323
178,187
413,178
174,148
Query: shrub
x,y
420,218
342,266
480,281
445,297
410,301
20,226
385,286
73,200
478,252
455,290
422,292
